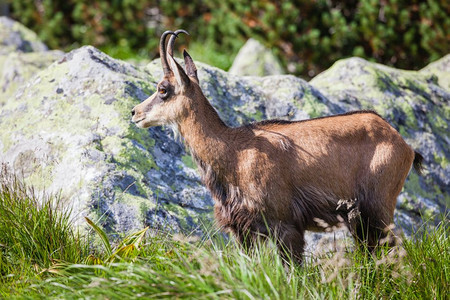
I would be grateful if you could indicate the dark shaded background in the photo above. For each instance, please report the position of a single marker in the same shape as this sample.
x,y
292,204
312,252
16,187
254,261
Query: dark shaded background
x,y
307,36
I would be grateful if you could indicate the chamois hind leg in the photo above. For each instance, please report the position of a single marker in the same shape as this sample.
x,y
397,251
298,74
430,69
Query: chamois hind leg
x,y
372,227
248,238
291,242
289,239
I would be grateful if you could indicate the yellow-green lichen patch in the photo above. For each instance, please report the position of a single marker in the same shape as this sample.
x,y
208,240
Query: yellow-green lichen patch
x,y
250,110
442,160
19,67
139,204
41,177
413,185
440,70
438,119
132,87
312,106
391,108
188,161
5,139
371,81
188,219
402,131
113,145
133,156
141,136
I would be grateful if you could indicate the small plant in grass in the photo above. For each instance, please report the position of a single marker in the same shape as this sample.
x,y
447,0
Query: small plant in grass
x,y
127,249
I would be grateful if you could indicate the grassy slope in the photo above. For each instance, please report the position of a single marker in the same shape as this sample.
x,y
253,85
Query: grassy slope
x,y
41,257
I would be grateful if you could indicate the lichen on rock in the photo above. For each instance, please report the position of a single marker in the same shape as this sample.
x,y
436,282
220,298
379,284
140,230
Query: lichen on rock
x,y
17,67
22,55
16,37
439,72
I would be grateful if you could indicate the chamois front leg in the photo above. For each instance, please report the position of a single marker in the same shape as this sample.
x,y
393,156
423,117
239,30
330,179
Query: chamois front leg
x,y
291,242
289,239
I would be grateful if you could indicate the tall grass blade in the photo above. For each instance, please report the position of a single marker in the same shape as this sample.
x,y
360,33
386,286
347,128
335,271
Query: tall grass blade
x,y
134,238
102,235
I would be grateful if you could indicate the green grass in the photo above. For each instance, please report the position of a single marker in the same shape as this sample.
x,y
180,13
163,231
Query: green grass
x,y
43,257
35,233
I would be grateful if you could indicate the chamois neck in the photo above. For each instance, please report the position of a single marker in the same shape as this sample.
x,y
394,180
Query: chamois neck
x,y
208,137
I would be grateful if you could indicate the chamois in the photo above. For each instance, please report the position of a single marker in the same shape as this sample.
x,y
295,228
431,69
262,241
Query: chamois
x,y
280,177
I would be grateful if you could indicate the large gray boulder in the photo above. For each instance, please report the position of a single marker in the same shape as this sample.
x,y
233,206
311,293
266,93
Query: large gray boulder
x,y
16,37
439,71
22,55
254,59
17,67
68,129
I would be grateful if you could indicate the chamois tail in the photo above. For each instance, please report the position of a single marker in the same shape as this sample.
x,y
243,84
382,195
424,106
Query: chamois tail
x,y
418,163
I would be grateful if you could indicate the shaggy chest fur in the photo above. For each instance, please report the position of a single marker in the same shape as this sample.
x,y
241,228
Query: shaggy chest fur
x,y
232,209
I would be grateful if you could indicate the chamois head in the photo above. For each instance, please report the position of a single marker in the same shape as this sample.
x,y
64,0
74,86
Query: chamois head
x,y
174,92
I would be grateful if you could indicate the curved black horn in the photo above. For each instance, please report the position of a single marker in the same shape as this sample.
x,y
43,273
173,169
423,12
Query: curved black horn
x,y
172,40
162,53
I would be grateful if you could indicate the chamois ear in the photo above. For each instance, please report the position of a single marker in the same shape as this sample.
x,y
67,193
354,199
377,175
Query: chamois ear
x,y
181,77
191,69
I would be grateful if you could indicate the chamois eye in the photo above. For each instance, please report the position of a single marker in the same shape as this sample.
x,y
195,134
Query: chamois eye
x,y
163,92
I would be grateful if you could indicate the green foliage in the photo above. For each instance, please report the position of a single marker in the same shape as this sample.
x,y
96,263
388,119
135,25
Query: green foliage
x,y
100,23
429,261
212,54
308,36
217,269
35,231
